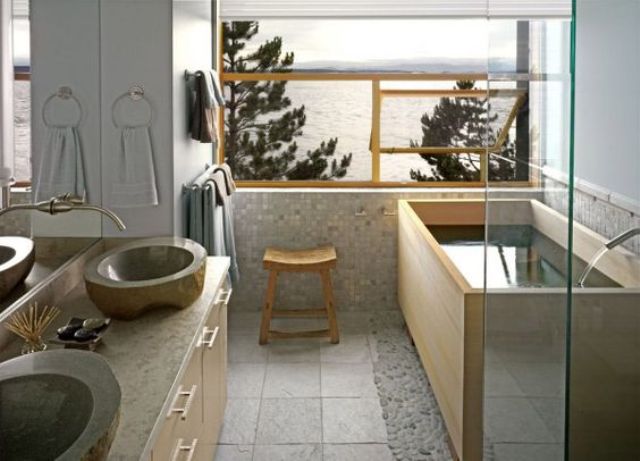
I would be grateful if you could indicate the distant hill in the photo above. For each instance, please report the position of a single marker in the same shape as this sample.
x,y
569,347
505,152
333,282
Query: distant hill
x,y
499,65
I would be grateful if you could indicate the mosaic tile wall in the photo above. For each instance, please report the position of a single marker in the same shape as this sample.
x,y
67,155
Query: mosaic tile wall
x,y
365,278
596,214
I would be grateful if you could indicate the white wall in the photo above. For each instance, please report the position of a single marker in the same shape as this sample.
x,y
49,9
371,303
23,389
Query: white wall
x,y
136,50
192,50
101,48
65,50
607,124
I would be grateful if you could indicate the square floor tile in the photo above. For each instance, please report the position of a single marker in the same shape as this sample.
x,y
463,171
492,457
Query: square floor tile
x,y
288,452
499,382
245,348
289,421
351,349
353,421
286,380
528,452
538,379
294,351
347,380
357,452
244,323
514,420
354,323
240,422
245,380
234,453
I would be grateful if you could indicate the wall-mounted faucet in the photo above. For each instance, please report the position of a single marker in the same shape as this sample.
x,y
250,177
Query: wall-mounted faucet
x,y
614,242
63,204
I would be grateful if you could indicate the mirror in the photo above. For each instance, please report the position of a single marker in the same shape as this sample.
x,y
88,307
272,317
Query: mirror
x,y
56,76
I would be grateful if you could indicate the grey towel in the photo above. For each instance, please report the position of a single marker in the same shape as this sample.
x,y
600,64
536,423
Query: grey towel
x,y
204,116
225,204
228,178
134,183
208,99
61,165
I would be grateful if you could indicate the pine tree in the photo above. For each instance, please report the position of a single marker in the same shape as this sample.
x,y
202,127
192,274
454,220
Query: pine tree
x,y
261,148
462,122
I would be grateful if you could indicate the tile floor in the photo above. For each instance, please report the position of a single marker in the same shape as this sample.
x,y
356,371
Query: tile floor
x,y
302,399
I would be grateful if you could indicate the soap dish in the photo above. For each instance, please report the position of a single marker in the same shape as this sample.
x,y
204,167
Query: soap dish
x,y
86,344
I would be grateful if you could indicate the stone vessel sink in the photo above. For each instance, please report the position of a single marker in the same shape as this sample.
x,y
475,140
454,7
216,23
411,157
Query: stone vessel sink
x,y
135,277
17,255
59,404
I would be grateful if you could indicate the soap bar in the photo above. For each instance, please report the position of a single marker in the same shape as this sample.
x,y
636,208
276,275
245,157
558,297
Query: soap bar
x,y
94,324
84,334
67,332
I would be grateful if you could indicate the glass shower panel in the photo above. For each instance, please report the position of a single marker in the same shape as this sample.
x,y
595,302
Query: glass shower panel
x,y
604,380
526,239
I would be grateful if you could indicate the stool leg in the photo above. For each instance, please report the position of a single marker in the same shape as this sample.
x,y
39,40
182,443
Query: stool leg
x,y
268,307
330,306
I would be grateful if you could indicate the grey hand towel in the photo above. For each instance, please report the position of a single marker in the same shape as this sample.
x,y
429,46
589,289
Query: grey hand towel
x,y
134,183
61,164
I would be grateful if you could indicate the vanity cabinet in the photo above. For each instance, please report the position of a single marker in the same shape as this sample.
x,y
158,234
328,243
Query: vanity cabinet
x,y
190,429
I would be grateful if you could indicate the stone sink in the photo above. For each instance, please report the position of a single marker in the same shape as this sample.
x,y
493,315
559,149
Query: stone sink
x,y
59,404
145,274
17,255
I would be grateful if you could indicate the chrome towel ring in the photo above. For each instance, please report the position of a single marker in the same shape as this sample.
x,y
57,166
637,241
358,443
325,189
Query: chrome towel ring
x,y
64,93
135,94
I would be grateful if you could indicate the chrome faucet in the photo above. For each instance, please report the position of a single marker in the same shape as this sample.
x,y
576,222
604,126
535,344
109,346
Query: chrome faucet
x,y
611,244
63,204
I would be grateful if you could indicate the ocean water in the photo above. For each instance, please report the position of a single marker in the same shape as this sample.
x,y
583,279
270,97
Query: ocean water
x,y
342,109
22,130
334,109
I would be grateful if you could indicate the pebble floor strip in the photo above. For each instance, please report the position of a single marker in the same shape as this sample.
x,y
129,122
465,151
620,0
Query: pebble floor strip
x,y
415,427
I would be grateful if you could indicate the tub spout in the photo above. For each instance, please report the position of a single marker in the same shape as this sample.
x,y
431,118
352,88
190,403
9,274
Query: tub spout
x,y
614,242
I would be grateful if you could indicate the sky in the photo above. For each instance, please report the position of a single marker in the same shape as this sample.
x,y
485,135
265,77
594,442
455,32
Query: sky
x,y
404,39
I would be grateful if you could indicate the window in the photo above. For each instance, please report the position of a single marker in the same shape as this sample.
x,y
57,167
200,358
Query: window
x,y
370,102
21,94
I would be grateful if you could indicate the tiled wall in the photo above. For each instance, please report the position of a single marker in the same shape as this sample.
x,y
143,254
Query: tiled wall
x,y
365,278
594,212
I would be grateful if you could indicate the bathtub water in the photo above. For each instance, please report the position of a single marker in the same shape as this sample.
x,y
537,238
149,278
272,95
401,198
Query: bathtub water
x,y
517,256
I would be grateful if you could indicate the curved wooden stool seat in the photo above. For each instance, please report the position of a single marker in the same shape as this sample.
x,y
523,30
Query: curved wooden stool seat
x,y
320,260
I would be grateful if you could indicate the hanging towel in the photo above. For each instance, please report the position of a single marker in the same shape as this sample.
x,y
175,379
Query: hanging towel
x,y
208,98
225,203
61,164
228,178
134,183
210,220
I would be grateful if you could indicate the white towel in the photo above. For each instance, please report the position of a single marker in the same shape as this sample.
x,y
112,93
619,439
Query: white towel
x,y
215,97
134,183
61,164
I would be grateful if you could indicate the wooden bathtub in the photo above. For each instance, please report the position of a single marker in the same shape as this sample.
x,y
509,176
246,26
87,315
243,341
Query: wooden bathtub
x,y
446,315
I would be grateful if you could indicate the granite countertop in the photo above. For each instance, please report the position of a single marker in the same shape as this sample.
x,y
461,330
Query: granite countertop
x,y
148,357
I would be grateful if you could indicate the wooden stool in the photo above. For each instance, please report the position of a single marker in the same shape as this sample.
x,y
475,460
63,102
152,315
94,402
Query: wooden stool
x,y
320,260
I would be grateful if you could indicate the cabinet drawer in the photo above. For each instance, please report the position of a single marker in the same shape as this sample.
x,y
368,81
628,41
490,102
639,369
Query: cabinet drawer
x,y
189,450
214,371
184,419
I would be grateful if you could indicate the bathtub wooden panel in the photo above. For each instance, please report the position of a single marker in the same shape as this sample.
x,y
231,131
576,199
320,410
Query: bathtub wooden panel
x,y
444,316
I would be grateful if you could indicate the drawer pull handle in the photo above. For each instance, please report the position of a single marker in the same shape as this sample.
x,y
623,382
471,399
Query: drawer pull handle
x,y
211,341
180,447
184,411
224,296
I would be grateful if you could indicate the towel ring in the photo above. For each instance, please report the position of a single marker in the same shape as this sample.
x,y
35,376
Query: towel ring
x,y
136,94
65,93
